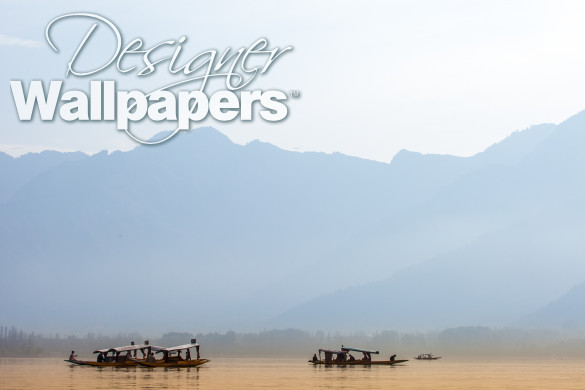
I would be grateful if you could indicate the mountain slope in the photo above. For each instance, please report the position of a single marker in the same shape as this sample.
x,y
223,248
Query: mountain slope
x,y
564,312
204,232
527,220
16,172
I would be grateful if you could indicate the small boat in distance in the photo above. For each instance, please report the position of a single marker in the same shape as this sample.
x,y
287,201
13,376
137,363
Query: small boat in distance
x,y
345,358
427,356
172,357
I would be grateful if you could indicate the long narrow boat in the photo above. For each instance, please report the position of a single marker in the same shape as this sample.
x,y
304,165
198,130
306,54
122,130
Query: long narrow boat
x,y
345,358
115,357
172,357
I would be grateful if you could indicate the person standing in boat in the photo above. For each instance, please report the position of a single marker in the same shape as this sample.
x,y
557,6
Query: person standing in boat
x,y
72,356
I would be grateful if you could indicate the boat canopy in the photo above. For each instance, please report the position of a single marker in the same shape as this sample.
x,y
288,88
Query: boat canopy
x,y
133,347
128,348
193,344
330,351
347,349
179,347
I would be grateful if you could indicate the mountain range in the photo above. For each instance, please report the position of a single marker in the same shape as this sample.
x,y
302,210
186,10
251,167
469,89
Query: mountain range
x,y
202,234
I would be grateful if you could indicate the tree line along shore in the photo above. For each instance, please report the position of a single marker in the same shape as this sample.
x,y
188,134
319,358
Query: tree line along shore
x,y
462,341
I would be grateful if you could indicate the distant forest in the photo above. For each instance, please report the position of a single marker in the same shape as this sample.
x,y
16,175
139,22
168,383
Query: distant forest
x,y
463,341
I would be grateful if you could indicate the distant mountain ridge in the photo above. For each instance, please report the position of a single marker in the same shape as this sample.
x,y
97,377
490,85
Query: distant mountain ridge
x,y
484,281
15,172
565,312
204,232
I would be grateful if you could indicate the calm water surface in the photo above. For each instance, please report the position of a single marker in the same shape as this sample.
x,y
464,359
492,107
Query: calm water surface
x,y
248,373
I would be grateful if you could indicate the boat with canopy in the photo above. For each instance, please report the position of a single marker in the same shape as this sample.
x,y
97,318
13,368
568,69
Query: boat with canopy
x,y
343,357
171,357
126,356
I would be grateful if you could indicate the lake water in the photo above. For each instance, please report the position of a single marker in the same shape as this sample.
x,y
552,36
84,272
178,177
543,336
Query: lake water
x,y
250,373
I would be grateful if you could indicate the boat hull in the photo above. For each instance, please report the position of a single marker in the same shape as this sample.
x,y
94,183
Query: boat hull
x,y
358,363
178,364
128,363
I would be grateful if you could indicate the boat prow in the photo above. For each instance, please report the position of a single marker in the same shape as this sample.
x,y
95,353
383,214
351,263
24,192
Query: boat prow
x,y
78,362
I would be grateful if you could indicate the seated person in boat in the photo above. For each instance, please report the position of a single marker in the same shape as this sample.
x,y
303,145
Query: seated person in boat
x,y
100,358
351,358
315,358
72,356
392,358
151,358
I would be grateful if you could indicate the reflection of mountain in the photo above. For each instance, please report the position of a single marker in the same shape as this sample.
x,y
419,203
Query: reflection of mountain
x,y
210,234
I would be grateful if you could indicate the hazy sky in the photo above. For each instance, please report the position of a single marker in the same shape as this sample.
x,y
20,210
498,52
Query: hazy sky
x,y
375,77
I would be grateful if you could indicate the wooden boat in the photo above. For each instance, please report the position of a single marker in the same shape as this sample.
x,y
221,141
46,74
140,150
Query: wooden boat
x,y
172,357
115,357
427,356
344,358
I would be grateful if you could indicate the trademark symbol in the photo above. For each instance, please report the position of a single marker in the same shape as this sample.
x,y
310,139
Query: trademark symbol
x,y
295,93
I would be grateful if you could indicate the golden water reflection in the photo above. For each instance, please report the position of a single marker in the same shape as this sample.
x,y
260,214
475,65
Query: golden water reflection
x,y
249,373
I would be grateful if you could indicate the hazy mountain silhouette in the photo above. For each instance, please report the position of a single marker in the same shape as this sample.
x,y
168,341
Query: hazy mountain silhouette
x,y
198,218
527,220
212,235
490,281
565,312
15,172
